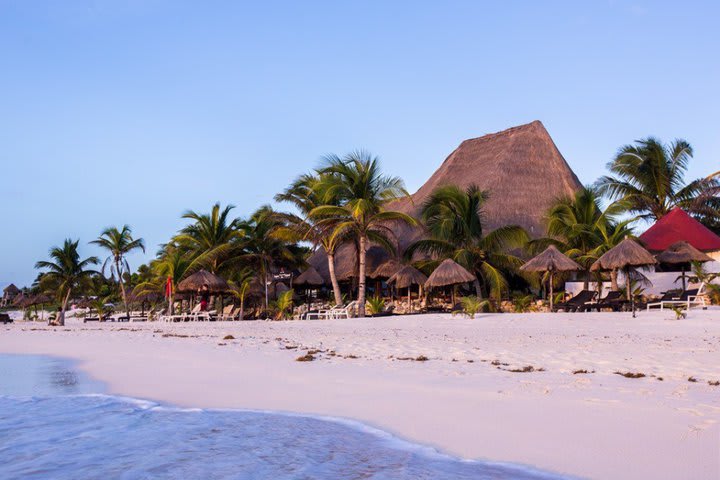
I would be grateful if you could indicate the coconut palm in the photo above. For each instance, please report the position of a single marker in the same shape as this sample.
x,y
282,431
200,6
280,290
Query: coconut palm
x,y
211,238
265,245
453,217
173,264
582,230
240,281
119,243
649,176
306,193
65,272
362,192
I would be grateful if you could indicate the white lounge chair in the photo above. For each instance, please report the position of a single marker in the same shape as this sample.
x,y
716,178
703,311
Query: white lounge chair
x,y
687,299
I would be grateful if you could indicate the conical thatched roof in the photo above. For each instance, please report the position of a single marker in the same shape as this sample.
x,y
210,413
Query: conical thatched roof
x,y
11,289
449,273
627,253
520,167
309,278
40,299
407,276
551,260
682,252
386,269
196,281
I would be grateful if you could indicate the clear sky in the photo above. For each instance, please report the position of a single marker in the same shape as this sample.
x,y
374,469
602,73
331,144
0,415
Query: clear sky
x,y
134,111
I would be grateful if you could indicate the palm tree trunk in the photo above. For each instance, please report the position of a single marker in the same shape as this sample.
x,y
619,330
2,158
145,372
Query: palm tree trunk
x,y
122,288
478,288
333,278
361,276
61,315
586,283
242,308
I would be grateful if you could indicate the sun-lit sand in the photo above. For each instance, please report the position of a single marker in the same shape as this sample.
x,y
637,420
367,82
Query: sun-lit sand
x,y
500,387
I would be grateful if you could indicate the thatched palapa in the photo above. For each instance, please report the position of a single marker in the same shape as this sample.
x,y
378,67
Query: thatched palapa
x,y
551,260
309,278
407,276
682,253
197,280
627,253
449,272
386,269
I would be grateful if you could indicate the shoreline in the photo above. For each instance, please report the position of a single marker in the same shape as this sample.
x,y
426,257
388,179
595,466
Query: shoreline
x,y
459,402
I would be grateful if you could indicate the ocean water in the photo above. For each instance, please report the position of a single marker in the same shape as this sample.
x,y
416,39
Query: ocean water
x,y
55,423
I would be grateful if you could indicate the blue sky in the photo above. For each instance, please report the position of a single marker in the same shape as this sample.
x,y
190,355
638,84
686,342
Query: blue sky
x,y
134,111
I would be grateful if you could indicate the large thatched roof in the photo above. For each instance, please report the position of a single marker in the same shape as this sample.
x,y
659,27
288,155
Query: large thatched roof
x,y
520,167
627,253
407,276
11,289
449,273
551,260
309,278
196,281
386,269
682,252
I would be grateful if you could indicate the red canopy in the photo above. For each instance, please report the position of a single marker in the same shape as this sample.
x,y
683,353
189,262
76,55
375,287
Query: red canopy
x,y
676,226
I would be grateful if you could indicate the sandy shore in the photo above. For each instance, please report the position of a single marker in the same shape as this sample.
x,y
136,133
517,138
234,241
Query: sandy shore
x,y
465,399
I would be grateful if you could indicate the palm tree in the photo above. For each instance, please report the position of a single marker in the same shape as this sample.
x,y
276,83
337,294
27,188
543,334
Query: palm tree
x,y
211,237
240,282
453,217
306,193
582,230
649,176
66,272
266,246
119,243
362,192
173,264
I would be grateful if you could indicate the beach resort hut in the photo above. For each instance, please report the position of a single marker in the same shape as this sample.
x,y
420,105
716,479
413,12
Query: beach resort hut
x,y
310,279
449,273
551,260
202,278
677,226
625,256
406,277
682,253
10,293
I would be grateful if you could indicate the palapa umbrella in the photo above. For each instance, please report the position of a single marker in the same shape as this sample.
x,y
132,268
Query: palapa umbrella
x,y
682,253
201,278
551,260
449,273
406,277
386,269
624,256
309,279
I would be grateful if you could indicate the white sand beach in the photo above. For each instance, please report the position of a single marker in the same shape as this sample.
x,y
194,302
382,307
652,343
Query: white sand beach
x,y
465,399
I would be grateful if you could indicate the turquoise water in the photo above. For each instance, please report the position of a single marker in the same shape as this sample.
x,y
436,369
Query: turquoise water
x,y
55,423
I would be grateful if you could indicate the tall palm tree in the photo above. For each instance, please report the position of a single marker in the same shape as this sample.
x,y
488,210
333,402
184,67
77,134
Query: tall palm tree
x,y
211,237
65,272
119,243
240,282
306,193
266,246
362,192
453,217
649,176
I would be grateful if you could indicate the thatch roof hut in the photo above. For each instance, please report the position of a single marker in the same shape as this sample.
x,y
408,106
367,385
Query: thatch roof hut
x,y
309,278
520,167
551,260
386,269
197,280
627,253
449,272
682,253
624,256
407,276
11,290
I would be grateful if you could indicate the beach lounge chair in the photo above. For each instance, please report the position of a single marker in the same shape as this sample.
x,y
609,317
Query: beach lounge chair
x,y
687,299
229,313
613,300
577,302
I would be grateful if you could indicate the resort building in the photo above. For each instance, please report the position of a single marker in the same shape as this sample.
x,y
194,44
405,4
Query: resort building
x,y
9,294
